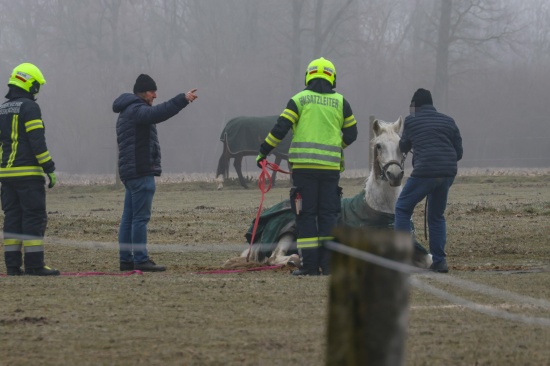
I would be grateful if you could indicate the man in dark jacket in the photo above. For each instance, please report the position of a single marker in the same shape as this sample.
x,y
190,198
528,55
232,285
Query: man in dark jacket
x,y
436,143
139,163
25,160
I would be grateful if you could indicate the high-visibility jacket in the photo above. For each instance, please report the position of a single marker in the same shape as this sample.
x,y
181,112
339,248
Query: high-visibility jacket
x,y
317,137
314,118
24,151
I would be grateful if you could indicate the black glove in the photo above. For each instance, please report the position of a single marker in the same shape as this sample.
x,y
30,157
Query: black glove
x,y
259,159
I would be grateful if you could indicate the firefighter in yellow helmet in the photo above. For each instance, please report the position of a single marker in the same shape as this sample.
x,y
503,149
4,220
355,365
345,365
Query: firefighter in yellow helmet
x,y
323,125
24,164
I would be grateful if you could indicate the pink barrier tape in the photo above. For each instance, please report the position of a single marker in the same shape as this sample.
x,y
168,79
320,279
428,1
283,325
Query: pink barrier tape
x,y
225,271
89,274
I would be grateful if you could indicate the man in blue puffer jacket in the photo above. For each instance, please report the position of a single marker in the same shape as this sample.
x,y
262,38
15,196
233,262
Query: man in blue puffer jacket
x,y
139,163
436,143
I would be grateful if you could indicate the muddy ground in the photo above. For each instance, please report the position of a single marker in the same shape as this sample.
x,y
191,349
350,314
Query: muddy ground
x,y
498,235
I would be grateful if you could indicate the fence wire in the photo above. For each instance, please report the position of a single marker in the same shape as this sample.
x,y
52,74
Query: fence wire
x,y
371,258
468,285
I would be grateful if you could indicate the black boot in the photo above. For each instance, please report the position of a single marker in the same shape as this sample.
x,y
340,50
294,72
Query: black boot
x,y
149,266
306,272
126,266
14,260
43,271
35,266
15,271
310,263
324,260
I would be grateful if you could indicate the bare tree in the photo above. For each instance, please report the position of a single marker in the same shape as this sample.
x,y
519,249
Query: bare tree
x,y
536,37
441,86
465,30
295,45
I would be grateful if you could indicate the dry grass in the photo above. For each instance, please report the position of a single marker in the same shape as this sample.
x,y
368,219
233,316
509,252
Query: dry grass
x,y
497,235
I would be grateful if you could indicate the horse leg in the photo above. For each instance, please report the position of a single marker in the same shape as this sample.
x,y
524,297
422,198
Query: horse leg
x,y
279,257
241,261
421,260
238,164
255,253
223,167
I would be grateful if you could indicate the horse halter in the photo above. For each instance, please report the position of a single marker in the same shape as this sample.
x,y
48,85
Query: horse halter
x,y
384,168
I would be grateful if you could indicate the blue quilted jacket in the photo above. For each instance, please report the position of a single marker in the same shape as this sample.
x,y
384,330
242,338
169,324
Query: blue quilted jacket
x,y
435,141
138,143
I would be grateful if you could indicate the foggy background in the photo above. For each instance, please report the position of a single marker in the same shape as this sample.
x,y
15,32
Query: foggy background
x,y
485,61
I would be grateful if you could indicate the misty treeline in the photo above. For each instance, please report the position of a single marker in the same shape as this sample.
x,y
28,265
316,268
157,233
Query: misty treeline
x,y
487,63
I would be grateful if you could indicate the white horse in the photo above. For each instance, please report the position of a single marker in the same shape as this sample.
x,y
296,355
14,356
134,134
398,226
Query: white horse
x,y
374,206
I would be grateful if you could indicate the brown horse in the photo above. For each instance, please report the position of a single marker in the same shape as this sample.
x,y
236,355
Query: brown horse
x,y
242,136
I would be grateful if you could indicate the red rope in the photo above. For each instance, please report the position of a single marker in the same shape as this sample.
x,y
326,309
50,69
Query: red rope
x,y
264,176
276,168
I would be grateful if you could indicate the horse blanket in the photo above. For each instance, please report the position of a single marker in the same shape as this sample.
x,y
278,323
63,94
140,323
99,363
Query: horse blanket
x,y
246,134
279,220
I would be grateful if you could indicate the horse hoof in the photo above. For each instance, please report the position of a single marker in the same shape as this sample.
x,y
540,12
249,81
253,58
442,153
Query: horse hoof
x,y
294,261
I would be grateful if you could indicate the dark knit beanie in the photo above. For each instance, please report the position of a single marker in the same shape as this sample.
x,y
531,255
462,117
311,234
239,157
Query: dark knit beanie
x,y
421,97
144,83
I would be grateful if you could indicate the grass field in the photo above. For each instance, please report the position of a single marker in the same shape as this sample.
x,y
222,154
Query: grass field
x,y
498,235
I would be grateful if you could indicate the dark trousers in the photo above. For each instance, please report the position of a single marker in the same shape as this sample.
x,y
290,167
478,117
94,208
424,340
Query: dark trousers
x,y
24,206
320,196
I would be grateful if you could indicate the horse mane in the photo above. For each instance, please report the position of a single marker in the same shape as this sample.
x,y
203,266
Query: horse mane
x,y
375,168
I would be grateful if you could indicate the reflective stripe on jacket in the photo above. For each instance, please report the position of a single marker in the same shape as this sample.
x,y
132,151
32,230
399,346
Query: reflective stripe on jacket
x,y
317,129
24,154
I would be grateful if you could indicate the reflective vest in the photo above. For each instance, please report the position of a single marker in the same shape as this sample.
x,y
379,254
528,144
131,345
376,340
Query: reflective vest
x,y
317,130
23,145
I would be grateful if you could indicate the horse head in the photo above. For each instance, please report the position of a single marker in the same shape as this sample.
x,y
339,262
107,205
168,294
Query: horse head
x,y
388,162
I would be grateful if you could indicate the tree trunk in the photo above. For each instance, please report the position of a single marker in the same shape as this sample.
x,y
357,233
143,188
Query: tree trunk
x,y
298,70
441,87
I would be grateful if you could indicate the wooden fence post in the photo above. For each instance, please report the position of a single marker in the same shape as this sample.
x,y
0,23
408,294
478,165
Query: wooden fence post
x,y
368,304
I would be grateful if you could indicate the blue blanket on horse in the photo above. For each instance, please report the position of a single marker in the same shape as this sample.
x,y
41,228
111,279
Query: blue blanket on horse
x,y
279,220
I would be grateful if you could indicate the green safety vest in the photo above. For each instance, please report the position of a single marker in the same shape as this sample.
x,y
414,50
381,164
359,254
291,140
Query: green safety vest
x,y
317,135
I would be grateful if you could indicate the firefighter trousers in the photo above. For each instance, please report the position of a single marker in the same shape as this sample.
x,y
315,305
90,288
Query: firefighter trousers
x,y
318,214
25,218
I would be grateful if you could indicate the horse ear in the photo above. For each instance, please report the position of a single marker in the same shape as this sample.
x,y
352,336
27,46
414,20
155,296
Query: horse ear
x,y
376,127
398,125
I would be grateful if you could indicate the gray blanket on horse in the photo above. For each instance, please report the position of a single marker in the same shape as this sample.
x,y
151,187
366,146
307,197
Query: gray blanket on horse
x,y
279,220
246,134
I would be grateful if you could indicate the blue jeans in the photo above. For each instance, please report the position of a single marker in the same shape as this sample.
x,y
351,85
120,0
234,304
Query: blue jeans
x,y
132,236
414,191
